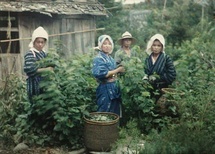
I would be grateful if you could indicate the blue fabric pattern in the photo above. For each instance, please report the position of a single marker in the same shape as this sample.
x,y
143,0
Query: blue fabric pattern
x,y
30,68
107,93
163,67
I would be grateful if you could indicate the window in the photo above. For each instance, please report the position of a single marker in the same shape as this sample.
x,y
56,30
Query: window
x,y
9,30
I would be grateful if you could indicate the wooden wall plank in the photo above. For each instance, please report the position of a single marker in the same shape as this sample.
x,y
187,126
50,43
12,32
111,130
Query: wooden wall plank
x,y
93,34
10,63
65,38
78,26
54,28
86,36
72,43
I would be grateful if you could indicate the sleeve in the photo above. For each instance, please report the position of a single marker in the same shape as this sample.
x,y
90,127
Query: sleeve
x,y
134,53
146,66
170,73
117,57
99,69
30,65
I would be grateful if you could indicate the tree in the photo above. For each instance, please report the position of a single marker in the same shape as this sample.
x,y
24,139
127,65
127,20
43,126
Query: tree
x,y
114,23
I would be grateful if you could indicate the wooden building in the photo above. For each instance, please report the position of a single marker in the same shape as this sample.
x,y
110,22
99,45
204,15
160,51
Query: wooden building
x,y
71,22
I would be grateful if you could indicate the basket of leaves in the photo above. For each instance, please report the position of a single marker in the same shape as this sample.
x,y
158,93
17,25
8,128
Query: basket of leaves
x,y
101,130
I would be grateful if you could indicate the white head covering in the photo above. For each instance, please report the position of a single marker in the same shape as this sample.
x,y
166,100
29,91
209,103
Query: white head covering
x,y
101,40
151,41
39,32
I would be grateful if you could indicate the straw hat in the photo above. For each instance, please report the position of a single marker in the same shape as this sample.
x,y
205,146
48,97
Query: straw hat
x,y
126,35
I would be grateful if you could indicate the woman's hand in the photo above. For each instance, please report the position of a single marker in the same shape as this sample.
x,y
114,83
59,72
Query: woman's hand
x,y
50,69
121,69
152,78
46,69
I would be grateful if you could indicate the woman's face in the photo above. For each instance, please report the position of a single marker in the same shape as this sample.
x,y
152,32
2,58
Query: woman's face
x,y
106,46
39,43
126,42
157,47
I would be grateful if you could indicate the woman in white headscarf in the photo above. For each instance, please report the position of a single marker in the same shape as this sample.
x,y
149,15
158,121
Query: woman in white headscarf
x,y
159,66
104,69
31,68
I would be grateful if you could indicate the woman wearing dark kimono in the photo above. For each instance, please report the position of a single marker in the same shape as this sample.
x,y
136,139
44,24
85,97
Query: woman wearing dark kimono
x,y
159,67
31,68
104,69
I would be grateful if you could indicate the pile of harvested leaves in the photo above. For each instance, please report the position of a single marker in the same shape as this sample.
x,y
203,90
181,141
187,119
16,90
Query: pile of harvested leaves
x,y
101,117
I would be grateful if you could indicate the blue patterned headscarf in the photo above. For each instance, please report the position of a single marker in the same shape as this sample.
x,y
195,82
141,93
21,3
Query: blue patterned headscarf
x,y
101,40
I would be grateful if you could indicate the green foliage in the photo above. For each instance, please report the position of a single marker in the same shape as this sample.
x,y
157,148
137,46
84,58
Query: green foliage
x,y
137,102
69,91
196,65
114,24
68,94
130,138
178,20
12,97
194,132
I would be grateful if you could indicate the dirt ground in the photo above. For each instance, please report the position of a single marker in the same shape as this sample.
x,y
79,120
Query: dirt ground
x,y
34,151
43,151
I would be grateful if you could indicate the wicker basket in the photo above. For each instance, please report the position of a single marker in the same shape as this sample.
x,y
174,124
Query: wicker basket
x,y
163,102
99,135
172,91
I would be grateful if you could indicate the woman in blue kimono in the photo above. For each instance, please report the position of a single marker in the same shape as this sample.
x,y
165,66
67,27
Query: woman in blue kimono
x,y
104,69
31,68
159,67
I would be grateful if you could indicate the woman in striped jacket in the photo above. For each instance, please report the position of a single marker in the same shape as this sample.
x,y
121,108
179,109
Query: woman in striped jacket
x,y
159,68
31,67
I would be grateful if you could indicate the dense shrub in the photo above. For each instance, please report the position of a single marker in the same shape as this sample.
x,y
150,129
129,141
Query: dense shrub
x,y
56,119
194,132
136,96
69,93
12,97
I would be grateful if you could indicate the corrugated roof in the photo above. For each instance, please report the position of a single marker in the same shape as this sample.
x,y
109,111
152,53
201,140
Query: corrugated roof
x,y
49,8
